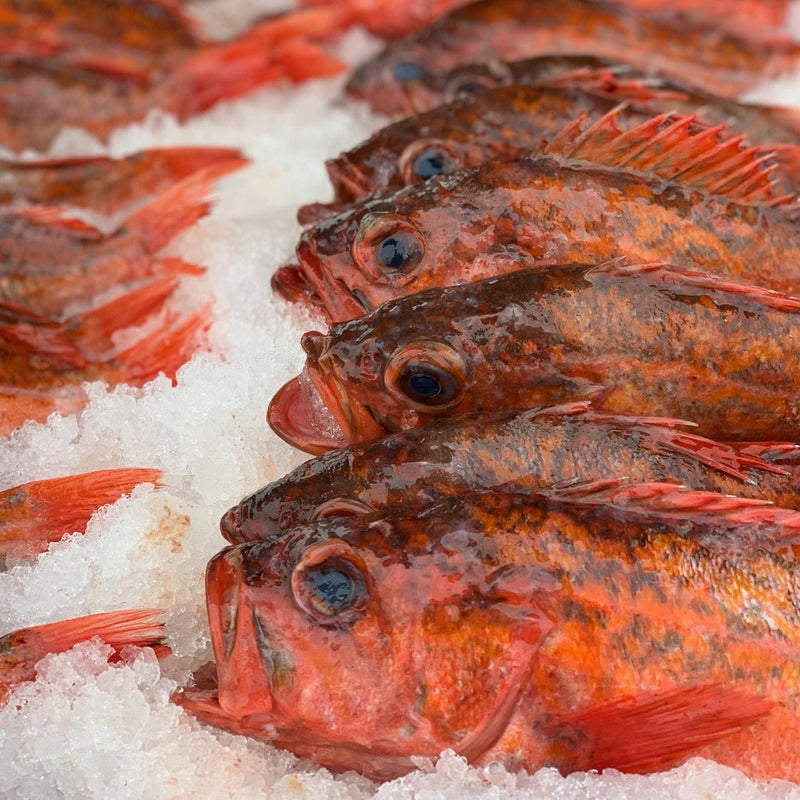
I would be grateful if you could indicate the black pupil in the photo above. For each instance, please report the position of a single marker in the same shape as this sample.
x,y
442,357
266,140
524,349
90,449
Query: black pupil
x,y
333,587
424,385
407,71
394,251
428,164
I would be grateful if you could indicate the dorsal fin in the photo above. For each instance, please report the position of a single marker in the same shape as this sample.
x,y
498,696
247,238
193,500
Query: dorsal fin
x,y
668,502
663,431
691,279
678,149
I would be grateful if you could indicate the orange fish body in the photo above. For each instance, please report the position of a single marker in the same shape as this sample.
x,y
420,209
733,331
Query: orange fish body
x,y
511,122
661,41
645,339
22,649
505,215
503,450
578,631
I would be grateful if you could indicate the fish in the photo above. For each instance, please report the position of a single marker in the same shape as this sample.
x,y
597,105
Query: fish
x,y
49,260
21,650
657,191
106,185
37,513
501,451
648,339
53,79
512,122
44,364
672,44
584,629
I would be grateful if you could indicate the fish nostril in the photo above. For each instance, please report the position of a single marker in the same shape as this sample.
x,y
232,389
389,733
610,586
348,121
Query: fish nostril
x,y
313,343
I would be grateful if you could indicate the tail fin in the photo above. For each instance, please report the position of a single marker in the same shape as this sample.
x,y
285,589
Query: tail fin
x,y
92,330
180,206
34,514
22,649
289,46
163,351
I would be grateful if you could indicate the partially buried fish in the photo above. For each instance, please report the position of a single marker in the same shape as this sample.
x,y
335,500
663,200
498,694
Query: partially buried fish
x,y
673,44
49,259
22,649
638,339
44,363
39,512
577,630
504,450
512,122
665,192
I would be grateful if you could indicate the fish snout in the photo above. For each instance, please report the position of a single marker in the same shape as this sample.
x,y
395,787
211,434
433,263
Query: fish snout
x,y
230,525
313,344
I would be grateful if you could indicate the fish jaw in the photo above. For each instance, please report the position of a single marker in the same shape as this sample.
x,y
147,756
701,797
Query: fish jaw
x,y
314,412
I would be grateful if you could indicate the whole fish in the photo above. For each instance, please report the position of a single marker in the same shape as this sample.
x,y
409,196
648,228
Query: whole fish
x,y
44,364
501,216
508,123
39,512
107,185
48,259
669,43
22,649
626,629
49,84
642,339
505,449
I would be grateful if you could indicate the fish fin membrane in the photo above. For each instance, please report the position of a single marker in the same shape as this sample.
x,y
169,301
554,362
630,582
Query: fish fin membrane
x,y
668,502
286,46
659,730
57,217
611,82
729,459
22,649
776,453
180,206
678,149
34,514
166,349
34,335
92,331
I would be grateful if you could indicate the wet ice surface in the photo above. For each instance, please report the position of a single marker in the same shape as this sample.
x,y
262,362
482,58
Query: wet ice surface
x,y
89,729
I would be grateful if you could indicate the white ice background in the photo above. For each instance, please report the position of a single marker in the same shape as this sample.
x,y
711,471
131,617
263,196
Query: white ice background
x,y
85,729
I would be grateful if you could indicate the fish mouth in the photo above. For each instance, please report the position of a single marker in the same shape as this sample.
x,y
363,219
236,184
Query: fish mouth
x,y
313,411
291,283
349,186
230,525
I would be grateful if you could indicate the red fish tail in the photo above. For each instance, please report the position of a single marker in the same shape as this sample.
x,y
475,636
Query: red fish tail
x,y
22,649
92,330
180,206
165,350
181,162
287,46
34,514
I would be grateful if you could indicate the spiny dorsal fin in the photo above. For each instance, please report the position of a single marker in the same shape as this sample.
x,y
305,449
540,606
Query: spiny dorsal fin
x,y
677,279
668,502
675,148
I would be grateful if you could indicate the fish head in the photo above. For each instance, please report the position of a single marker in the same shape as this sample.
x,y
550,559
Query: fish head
x,y
365,641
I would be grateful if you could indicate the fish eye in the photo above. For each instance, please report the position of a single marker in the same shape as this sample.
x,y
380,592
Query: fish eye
x,y
468,82
426,376
388,247
405,71
426,158
330,588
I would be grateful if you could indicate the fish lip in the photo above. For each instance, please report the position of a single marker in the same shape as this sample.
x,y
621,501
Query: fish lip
x,y
291,283
349,182
290,417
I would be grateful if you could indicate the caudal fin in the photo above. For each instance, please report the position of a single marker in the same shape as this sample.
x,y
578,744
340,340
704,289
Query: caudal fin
x,y
286,46
34,514
22,649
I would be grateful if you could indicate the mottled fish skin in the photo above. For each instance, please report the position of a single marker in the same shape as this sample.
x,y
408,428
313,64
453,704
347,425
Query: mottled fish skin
x,y
505,215
641,339
505,449
511,122
577,631
670,43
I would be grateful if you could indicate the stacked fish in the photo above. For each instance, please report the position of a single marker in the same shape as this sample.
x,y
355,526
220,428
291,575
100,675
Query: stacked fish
x,y
508,544
84,295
